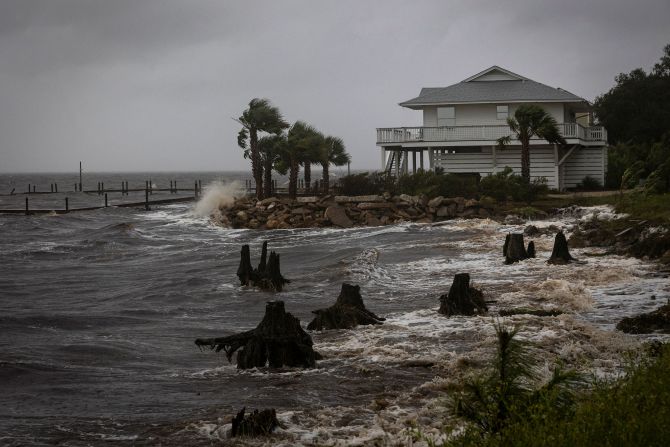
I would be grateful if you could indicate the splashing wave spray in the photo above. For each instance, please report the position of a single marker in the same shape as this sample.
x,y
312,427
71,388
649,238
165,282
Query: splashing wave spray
x,y
216,196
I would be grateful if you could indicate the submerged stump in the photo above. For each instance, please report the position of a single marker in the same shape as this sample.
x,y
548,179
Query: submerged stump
x,y
560,254
530,251
266,276
258,423
276,342
347,312
462,299
514,249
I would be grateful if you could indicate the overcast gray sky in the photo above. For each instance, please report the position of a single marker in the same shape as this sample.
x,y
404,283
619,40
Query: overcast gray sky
x,y
129,85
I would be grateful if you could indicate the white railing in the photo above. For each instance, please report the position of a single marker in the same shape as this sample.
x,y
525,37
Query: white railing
x,y
477,133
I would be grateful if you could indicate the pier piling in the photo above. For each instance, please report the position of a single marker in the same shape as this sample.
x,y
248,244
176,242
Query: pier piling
x,y
106,200
27,212
67,205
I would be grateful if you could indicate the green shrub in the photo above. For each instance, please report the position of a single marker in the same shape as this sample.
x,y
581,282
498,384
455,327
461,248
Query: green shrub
x,y
366,183
589,183
632,411
433,184
628,163
506,185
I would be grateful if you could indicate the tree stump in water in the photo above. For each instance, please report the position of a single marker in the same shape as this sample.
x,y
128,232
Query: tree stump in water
x,y
531,249
347,312
560,254
462,299
266,276
255,424
276,342
514,249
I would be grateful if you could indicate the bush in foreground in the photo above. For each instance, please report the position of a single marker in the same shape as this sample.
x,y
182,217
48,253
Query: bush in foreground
x,y
632,411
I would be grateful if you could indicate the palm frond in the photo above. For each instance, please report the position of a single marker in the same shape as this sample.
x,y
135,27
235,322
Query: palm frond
x,y
504,141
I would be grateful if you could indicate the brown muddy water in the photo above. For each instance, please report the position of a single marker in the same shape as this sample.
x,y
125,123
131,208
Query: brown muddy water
x,y
99,311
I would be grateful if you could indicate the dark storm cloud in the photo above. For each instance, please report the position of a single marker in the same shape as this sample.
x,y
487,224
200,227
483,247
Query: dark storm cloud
x,y
153,84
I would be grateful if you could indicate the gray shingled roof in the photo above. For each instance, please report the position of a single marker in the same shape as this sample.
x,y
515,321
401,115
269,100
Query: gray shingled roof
x,y
491,91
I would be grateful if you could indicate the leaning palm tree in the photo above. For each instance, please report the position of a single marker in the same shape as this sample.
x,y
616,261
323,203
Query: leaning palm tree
x,y
310,157
301,139
261,116
531,120
270,148
332,152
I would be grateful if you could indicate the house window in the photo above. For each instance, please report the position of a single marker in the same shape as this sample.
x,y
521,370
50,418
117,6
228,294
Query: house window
x,y
446,116
502,112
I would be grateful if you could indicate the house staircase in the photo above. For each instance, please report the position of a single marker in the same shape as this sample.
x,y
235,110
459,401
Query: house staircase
x,y
394,164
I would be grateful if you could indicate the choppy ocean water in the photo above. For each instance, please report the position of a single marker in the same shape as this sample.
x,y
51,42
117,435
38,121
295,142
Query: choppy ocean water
x,y
99,311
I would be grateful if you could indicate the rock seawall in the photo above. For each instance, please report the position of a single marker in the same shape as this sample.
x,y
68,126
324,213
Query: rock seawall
x,y
347,211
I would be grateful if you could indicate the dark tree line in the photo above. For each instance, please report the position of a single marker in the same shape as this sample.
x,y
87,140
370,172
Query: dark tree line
x,y
636,114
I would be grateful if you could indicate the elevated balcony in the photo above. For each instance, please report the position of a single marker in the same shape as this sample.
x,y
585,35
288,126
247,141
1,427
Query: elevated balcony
x,y
478,135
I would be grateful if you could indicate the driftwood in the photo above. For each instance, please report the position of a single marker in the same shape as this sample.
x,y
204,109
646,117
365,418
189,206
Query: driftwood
x,y
266,276
276,342
514,249
462,299
255,424
347,312
560,253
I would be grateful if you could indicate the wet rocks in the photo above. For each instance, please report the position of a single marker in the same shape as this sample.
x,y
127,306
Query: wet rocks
x,y
462,299
347,312
656,321
348,211
338,216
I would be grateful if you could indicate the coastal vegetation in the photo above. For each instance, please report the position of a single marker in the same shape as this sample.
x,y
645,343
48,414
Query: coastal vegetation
x,y
503,407
635,112
285,152
260,116
530,121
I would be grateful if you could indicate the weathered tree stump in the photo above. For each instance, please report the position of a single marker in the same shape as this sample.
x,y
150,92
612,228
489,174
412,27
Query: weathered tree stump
x,y
514,249
462,299
530,251
560,253
255,424
276,342
347,312
266,276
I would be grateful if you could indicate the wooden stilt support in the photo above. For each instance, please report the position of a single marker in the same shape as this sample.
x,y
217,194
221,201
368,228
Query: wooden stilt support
x,y
27,210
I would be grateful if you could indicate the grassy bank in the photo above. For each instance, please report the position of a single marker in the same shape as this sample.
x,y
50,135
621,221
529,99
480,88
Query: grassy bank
x,y
632,411
653,207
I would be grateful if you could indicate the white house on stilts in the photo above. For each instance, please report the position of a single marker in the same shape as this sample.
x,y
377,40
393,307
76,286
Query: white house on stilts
x,y
462,122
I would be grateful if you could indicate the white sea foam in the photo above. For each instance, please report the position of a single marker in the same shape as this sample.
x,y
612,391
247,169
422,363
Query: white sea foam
x,y
217,195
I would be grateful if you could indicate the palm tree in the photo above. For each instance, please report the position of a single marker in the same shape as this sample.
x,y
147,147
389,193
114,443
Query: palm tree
x,y
311,156
261,116
332,152
302,138
271,148
531,120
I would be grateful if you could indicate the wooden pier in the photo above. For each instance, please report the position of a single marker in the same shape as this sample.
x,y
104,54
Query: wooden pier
x,y
147,203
